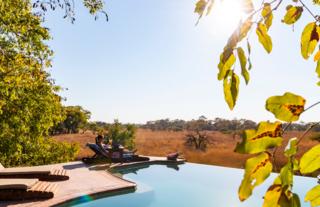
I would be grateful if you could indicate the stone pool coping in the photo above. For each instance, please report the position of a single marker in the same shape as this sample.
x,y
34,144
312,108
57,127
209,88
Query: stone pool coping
x,y
92,180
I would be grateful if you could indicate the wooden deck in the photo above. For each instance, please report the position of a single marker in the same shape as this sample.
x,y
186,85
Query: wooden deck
x,y
89,180
83,181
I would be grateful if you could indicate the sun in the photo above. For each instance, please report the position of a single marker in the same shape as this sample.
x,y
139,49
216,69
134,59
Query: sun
x,y
225,16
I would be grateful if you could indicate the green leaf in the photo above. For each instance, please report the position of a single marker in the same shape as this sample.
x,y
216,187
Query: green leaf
x,y
313,196
263,36
286,175
287,199
272,196
227,60
250,64
249,47
295,201
231,89
292,148
309,39
257,169
318,68
287,107
267,15
293,14
267,135
243,63
310,161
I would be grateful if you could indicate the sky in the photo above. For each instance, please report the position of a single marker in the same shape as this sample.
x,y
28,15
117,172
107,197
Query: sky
x,y
150,61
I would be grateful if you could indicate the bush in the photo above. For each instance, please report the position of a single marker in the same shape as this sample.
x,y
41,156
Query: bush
x,y
122,134
41,152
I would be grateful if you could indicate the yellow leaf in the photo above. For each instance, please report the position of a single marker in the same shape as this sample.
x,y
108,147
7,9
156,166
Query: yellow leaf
x,y
313,196
272,196
227,60
200,7
287,107
267,15
317,56
231,89
309,39
243,63
293,14
257,169
267,135
310,161
263,36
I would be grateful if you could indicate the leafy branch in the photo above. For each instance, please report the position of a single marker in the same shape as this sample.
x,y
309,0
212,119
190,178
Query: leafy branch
x,y
288,107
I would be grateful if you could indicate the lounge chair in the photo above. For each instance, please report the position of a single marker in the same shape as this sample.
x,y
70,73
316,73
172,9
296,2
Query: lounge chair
x,y
114,156
24,189
49,174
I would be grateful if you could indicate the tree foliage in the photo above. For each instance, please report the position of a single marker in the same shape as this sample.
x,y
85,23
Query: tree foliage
x,y
95,7
29,100
204,124
123,134
263,141
75,118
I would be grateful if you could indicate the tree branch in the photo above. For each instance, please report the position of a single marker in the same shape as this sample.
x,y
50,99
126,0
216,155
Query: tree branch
x,y
313,15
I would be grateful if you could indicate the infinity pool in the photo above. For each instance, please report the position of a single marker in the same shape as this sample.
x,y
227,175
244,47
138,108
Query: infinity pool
x,y
188,185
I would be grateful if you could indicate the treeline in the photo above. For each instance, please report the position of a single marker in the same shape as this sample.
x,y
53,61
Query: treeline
x,y
77,121
217,124
202,123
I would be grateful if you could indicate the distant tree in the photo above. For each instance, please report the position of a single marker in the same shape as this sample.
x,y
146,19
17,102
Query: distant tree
x,y
123,134
76,118
197,139
96,127
197,135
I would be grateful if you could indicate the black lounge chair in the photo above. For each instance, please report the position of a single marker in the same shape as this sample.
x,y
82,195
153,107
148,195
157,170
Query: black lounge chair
x,y
39,172
112,155
25,189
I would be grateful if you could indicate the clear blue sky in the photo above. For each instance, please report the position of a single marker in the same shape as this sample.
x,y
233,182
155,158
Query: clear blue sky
x,y
150,62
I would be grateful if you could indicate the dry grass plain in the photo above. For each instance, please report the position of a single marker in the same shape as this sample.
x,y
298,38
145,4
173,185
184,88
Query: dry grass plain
x,y
159,143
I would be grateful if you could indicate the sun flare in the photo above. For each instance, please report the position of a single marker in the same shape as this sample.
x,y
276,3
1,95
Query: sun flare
x,y
226,16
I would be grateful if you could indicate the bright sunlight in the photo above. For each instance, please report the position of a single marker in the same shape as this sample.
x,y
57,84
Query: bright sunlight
x,y
225,16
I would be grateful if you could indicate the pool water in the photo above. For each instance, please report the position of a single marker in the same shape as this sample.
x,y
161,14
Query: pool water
x,y
190,185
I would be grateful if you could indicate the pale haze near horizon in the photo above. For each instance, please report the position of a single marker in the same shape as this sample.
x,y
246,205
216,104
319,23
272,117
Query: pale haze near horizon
x,y
150,61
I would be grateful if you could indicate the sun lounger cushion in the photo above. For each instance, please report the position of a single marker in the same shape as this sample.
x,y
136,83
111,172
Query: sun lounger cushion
x,y
24,189
21,184
24,170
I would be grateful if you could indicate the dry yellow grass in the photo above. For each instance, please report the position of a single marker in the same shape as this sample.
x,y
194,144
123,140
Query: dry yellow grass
x,y
160,143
